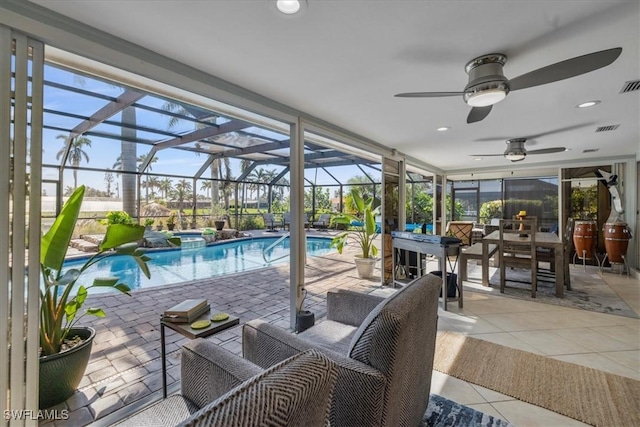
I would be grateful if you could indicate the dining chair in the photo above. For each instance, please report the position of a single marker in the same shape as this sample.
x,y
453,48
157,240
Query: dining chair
x,y
518,249
460,229
567,248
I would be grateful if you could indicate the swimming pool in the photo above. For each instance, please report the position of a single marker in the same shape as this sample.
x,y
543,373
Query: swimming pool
x,y
181,265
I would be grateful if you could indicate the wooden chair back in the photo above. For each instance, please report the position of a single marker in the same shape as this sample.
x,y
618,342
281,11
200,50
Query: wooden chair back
x,y
518,249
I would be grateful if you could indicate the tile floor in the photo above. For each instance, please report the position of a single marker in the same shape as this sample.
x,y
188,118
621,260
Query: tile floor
x,y
601,341
124,369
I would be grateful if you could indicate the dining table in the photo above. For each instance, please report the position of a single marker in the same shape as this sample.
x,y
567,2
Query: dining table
x,y
543,240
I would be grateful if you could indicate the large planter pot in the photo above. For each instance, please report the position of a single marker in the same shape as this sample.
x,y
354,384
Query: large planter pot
x,y
219,224
365,267
61,373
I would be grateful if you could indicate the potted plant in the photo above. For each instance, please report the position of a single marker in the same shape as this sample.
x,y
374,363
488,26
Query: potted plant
x,y
171,221
148,223
65,348
364,232
159,226
218,215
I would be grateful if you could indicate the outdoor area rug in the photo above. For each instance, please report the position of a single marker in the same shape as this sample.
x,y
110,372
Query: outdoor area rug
x,y
443,412
585,394
588,290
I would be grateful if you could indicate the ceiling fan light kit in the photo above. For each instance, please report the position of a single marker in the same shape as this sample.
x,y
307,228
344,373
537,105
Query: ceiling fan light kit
x,y
515,150
485,98
515,157
488,84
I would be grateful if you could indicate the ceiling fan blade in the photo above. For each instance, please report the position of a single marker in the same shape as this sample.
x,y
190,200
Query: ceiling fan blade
x,y
547,150
427,94
537,135
486,155
565,69
478,113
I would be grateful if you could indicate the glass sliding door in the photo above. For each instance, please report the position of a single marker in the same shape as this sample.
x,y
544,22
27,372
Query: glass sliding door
x,y
465,204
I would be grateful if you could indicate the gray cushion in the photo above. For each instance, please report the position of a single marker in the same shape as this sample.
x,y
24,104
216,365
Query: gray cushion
x,y
168,412
330,335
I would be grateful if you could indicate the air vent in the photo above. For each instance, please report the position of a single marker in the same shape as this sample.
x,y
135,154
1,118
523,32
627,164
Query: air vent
x,y
630,86
607,128
590,150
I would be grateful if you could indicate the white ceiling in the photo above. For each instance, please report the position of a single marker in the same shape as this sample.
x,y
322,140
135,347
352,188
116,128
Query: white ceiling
x,y
342,61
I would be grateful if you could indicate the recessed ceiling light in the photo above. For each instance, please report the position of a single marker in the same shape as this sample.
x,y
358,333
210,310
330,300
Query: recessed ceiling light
x,y
443,129
588,104
290,7
478,158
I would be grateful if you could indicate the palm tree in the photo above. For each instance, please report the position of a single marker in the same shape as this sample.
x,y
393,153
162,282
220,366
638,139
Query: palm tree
x,y
141,159
128,153
279,190
153,183
206,185
108,179
269,176
166,186
76,153
244,165
258,175
218,164
181,192
226,184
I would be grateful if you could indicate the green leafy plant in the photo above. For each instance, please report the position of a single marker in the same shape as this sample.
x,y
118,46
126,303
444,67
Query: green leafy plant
x,y
148,222
118,217
63,294
365,227
172,219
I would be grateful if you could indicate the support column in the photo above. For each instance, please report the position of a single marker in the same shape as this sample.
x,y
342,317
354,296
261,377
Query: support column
x,y
297,236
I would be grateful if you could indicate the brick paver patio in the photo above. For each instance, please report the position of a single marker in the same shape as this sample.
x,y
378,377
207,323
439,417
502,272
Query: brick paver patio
x,y
125,364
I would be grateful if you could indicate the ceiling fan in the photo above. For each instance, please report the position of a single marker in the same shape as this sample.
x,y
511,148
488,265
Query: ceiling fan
x,y
488,85
516,152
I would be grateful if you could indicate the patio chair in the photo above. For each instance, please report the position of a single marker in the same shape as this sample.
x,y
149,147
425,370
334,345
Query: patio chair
x,y
384,349
286,221
323,221
269,221
222,389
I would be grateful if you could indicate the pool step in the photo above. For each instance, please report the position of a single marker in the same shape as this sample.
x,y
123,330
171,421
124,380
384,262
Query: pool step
x,y
96,239
193,242
84,245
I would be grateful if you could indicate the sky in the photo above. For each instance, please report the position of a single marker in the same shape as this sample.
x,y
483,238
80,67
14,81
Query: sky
x,y
104,152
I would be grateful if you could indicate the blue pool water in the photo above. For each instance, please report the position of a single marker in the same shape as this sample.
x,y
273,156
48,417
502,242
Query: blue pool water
x,y
174,266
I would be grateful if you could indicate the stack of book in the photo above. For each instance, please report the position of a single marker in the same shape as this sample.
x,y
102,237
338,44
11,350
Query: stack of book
x,y
187,311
